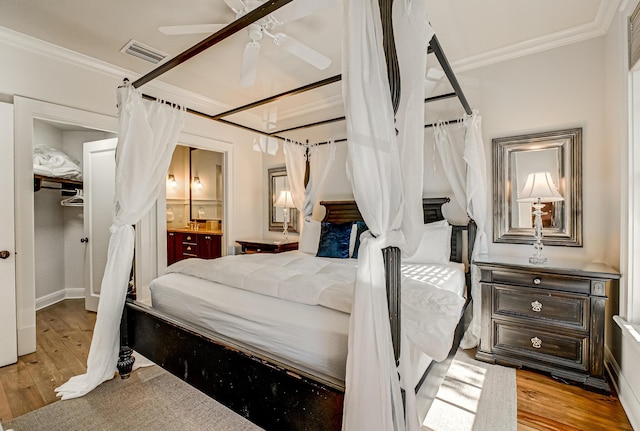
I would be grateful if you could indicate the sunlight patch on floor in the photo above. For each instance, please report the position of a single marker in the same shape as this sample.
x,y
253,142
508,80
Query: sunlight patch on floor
x,y
456,403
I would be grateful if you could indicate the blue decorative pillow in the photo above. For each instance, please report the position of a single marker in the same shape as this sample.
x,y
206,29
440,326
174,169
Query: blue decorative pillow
x,y
361,228
334,240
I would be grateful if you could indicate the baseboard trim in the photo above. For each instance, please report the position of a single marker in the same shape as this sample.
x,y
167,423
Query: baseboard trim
x,y
622,382
60,295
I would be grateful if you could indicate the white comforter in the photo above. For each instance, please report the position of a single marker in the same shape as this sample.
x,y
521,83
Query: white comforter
x,y
431,294
294,276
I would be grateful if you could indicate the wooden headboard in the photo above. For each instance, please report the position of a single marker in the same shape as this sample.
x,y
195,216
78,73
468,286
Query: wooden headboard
x,y
347,211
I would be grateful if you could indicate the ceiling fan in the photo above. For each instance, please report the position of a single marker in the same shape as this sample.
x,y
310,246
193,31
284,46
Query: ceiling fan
x,y
265,27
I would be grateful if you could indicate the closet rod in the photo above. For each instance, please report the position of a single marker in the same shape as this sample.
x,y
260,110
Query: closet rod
x,y
259,12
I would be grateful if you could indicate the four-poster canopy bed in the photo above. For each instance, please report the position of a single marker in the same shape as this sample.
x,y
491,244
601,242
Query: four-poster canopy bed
x,y
275,394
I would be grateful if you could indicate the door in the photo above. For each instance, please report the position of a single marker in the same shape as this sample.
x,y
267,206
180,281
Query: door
x,y
8,330
99,165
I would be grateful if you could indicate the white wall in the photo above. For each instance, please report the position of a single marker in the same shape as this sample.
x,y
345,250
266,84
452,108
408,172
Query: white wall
x,y
48,224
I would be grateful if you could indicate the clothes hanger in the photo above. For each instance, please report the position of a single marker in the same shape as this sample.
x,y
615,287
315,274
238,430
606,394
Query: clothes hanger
x,y
76,200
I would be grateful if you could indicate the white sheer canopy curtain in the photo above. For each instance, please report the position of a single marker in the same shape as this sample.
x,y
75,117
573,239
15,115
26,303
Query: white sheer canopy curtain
x,y
147,136
385,171
464,162
320,159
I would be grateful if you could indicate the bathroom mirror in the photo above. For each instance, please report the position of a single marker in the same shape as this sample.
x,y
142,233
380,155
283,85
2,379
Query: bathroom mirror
x,y
514,158
278,182
194,187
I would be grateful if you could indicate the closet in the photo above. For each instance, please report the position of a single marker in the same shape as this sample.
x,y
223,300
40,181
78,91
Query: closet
x,y
62,261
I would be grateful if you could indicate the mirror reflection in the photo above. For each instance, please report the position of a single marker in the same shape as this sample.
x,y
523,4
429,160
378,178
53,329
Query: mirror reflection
x,y
195,188
279,182
557,153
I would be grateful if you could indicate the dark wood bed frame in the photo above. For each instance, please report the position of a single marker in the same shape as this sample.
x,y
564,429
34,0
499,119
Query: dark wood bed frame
x,y
268,393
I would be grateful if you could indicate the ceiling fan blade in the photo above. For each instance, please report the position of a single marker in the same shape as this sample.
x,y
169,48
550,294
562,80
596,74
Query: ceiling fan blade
x,y
236,5
249,64
302,51
301,8
173,30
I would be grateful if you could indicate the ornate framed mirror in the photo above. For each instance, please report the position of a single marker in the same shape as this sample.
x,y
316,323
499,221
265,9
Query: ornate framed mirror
x,y
278,181
514,158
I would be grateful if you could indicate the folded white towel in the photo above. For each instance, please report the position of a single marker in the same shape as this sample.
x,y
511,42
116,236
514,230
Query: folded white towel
x,y
52,162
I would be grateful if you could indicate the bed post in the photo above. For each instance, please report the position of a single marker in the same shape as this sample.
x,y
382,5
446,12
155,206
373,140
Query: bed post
x,y
392,262
125,358
392,255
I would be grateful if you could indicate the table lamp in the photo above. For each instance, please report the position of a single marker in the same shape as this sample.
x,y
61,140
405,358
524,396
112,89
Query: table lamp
x,y
539,188
285,201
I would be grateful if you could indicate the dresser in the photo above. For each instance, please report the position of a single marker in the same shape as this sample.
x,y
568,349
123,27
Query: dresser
x,y
184,243
548,317
250,246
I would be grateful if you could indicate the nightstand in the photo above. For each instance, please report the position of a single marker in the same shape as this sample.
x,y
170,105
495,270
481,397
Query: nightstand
x,y
547,317
266,246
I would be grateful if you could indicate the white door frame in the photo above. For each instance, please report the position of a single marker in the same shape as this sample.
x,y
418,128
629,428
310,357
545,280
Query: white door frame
x,y
158,255
26,111
8,337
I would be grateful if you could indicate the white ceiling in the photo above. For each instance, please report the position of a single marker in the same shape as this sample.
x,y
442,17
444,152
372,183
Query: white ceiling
x,y
472,33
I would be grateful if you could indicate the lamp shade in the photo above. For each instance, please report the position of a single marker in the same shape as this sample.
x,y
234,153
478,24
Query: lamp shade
x,y
539,185
285,200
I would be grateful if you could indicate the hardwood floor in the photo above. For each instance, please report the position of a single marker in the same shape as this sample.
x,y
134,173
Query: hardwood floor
x,y
64,334
63,337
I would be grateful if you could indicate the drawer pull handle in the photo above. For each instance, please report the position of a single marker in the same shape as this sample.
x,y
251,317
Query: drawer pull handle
x,y
189,238
536,342
536,306
537,280
188,248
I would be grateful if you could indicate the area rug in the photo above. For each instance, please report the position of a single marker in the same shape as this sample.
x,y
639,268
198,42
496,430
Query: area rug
x,y
475,396
151,399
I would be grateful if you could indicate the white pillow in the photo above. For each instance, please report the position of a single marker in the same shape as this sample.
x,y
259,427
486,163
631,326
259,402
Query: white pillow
x,y
310,237
435,244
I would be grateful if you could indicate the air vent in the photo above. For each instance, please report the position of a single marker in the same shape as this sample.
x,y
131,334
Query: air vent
x,y
144,52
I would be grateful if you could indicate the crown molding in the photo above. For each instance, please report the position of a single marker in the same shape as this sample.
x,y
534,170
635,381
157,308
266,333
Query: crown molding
x,y
596,28
156,88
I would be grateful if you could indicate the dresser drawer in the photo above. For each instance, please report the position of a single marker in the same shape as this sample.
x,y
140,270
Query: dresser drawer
x,y
543,281
189,250
551,307
189,238
540,345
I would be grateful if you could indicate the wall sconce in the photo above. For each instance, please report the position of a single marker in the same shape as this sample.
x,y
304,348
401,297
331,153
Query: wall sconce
x,y
172,180
537,189
196,183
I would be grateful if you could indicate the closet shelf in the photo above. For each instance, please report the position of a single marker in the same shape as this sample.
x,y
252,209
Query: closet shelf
x,y
65,183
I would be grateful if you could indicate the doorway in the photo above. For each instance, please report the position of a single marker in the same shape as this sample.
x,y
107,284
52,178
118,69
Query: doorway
x,y
30,116
70,245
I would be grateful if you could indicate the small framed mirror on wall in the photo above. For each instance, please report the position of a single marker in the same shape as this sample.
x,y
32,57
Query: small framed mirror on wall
x,y
516,160
279,182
